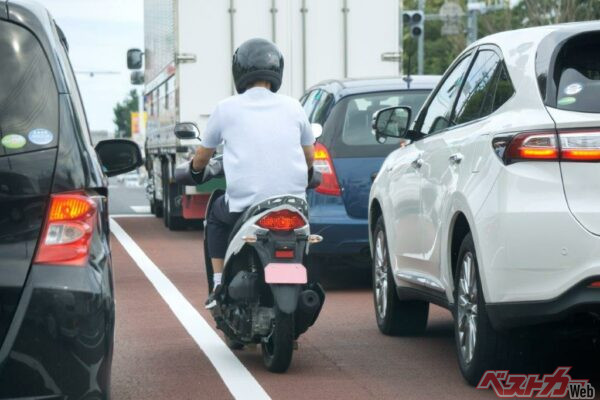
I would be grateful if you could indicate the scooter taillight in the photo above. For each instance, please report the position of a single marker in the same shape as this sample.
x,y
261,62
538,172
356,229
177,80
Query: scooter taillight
x,y
282,221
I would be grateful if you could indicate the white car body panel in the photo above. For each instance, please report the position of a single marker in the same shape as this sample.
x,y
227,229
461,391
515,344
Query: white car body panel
x,y
581,191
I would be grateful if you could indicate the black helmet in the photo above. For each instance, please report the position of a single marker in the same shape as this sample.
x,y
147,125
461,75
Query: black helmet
x,y
257,60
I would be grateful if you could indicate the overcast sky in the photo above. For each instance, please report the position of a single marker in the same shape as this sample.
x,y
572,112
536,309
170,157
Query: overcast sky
x,y
99,33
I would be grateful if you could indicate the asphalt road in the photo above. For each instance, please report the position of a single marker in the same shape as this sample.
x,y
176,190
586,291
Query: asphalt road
x,y
166,347
127,197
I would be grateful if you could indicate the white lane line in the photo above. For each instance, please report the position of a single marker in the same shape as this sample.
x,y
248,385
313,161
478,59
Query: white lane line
x,y
131,215
236,377
140,209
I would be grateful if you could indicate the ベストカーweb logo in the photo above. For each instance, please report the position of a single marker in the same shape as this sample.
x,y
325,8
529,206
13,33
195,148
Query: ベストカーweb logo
x,y
550,386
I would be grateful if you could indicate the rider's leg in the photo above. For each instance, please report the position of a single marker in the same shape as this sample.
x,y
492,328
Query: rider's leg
x,y
217,264
219,223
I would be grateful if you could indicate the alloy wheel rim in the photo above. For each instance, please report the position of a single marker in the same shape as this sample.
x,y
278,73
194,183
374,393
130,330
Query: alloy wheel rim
x,y
381,277
467,308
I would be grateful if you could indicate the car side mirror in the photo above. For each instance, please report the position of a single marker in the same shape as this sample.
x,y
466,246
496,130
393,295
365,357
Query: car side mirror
x,y
317,130
134,59
118,156
391,122
187,130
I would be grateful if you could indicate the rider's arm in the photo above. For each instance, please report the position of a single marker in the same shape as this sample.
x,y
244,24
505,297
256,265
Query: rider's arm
x,y
201,158
309,155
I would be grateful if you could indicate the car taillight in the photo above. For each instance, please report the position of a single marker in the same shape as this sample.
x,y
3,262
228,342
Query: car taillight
x,y
567,145
67,230
580,145
323,163
532,146
595,285
282,221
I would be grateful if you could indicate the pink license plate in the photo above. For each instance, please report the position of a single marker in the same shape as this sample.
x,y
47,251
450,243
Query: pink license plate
x,y
283,273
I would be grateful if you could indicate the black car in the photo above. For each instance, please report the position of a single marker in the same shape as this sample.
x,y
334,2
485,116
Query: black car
x,y
56,290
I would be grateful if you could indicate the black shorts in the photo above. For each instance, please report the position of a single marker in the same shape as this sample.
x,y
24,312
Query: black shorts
x,y
219,224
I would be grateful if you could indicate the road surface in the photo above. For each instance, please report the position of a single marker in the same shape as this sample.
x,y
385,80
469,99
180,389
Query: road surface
x,y
166,346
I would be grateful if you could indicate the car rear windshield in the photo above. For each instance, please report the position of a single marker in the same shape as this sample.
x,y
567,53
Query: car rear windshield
x,y
357,130
28,93
577,74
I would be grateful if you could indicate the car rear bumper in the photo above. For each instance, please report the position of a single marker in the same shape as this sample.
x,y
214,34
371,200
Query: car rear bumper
x,y
580,299
342,235
530,248
60,341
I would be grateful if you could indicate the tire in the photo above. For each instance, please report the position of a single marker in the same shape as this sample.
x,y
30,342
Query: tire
x,y
233,344
395,317
156,207
174,223
278,349
481,349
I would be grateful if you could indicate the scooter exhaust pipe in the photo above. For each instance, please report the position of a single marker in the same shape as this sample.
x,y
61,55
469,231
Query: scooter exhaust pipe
x,y
309,301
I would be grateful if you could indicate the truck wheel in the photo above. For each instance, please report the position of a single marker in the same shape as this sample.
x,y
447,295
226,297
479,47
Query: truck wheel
x,y
171,221
156,207
277,349
394,316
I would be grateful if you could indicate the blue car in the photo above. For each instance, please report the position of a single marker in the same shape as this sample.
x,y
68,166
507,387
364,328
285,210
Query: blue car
x,y
349,157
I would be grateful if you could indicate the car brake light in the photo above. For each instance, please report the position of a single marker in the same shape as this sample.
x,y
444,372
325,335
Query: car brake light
x,y
323,163
282,221
572,145
67,230
595,284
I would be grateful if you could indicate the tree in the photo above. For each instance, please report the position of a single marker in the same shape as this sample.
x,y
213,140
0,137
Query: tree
x,y
123,112
440,50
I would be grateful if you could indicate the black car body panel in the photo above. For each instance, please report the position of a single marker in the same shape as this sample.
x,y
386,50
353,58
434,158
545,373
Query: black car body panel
x,y
77,166
24,187
56,322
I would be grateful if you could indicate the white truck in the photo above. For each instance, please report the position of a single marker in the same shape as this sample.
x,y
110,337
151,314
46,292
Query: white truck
x,y
187,70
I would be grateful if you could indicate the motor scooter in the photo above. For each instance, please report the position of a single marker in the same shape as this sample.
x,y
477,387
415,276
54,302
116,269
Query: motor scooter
x,y
266,297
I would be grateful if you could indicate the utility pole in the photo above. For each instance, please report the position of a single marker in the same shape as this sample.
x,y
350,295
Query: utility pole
x,y
421,43
400,37
473,9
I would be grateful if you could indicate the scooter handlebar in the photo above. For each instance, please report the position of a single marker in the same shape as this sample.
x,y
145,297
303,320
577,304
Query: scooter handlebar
x,y
314,178
184,175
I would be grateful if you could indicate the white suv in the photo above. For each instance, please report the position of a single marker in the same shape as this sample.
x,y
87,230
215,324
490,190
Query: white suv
x,y
491,207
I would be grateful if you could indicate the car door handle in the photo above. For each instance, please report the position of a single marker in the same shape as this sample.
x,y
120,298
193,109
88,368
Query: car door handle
x,y
418,163
456,158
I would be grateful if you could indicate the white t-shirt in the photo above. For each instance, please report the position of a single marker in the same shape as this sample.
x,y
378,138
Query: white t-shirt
x,y
262,134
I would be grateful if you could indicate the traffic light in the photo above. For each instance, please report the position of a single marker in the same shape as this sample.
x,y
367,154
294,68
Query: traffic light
x,y
415,21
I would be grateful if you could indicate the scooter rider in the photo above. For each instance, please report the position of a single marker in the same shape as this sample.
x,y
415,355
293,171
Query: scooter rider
x,y
267,145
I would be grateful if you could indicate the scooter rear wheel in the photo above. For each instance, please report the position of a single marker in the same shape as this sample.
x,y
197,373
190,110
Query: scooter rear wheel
x,y
278,348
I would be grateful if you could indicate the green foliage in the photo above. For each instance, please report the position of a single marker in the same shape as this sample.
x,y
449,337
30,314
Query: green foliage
x,y
441,50
122,113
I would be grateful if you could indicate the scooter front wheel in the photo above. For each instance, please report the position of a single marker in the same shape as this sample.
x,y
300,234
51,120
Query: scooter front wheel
x,y
278,347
